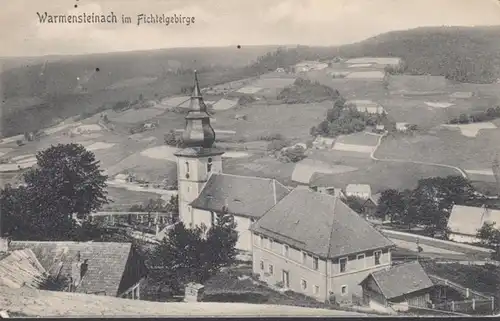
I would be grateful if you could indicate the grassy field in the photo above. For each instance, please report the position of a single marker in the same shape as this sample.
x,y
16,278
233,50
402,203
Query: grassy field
x,y
360,138
123,199
381,176
444,147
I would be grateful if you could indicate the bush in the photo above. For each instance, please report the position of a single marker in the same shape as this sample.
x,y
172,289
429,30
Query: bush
x,y
245,100
173,139
277,145
120,105
304,91
272,137
292,155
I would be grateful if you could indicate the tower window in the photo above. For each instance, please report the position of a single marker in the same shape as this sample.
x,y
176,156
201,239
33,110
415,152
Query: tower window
x,y
209,165
187,167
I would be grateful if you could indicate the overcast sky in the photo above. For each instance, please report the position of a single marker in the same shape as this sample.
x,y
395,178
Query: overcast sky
x,y
227,22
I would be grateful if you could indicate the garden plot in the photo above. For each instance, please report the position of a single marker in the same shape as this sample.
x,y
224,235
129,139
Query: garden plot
x,y
439,104
12,139
274,83
249,90
488,172
224,104
306,168
471,130
21,157
354,148
359,65
99,145
366,75
60,127
137,115
235,155
86,129
173,102
4,151
461,94
161,152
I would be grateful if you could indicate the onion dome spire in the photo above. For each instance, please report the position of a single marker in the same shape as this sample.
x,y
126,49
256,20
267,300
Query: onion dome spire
x,y
198,131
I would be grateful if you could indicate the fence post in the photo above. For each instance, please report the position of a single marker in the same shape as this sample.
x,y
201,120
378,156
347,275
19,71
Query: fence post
x,y
453,306
467,293
492,303
473,304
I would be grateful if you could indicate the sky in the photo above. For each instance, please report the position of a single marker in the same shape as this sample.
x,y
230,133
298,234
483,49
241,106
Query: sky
x,y
226,23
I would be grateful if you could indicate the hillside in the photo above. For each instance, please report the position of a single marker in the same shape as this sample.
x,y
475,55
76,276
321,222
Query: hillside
x,y
465,54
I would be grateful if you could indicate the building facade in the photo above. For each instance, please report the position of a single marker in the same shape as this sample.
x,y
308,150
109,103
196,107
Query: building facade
x,y
313,243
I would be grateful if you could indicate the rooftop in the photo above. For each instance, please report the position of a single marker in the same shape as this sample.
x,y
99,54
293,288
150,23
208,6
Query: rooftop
x,y
320,224
243,195
468,219
106,262
402,279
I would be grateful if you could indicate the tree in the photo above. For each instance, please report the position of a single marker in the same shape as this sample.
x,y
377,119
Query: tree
x,y
293,154
172,139
67,182
391,204
490,236
194,255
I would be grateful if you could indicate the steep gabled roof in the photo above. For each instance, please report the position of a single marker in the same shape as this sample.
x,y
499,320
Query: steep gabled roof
x,y
106,261
320,224
468,219
243,195
21,268
402,279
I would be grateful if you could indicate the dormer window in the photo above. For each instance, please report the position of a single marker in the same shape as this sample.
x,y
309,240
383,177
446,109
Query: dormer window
x,y
209,165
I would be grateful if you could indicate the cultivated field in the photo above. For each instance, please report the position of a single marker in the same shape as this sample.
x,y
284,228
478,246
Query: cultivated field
x,y
445,147
381,176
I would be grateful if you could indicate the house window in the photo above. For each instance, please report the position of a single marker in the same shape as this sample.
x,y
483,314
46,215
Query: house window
x,y
343,264
343,290
285,250
377,255
316,289
315,263
187,168
209,165
304,257
303,284
271,269
361,260
262,265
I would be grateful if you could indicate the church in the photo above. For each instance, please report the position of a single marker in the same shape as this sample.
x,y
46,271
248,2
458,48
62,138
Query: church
x,y
205,191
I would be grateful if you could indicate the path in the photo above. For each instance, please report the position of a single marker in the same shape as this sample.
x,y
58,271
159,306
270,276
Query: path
x,y
395,160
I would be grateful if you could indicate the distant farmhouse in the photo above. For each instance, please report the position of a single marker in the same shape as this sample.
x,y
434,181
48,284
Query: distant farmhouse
x,y
306,66
387,61
465,221
362,191
366,106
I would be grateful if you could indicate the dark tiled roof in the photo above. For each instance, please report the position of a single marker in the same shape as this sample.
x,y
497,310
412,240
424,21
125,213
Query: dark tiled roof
x,y
321,224
402,279
106,261
243,195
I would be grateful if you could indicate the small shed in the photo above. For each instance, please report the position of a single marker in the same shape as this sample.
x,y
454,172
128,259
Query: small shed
x,y
397,288
193,292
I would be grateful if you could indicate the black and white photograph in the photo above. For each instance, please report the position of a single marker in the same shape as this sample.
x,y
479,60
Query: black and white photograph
x,y
249,158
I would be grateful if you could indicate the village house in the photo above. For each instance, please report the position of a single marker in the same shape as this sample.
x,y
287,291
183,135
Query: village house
x,y
362,191
313,243
465,221
102,268
397,288
205,192
366,106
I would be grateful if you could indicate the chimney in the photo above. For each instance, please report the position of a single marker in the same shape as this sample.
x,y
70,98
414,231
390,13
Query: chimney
x,y
4,245
76,270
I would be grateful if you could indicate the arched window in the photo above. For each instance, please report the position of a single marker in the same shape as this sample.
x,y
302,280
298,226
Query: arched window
x,y
187,167
209,165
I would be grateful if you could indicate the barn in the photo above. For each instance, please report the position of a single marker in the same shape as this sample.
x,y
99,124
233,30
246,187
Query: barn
x,y
397,288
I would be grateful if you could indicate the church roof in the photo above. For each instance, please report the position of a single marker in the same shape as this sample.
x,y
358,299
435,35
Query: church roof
x,y
320,224
243,195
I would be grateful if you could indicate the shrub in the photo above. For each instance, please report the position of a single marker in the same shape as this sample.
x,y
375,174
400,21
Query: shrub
x,y
277,145
245,100
172,139
294,154
272,137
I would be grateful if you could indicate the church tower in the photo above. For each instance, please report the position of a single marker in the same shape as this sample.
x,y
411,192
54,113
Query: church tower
x,y
198,159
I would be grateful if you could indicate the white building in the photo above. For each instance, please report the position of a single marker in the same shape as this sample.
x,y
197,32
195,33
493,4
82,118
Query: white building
x,y
465,221
362,191
366,106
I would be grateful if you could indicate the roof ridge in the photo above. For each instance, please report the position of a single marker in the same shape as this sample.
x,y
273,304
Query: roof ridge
x,y
331,228
244,176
